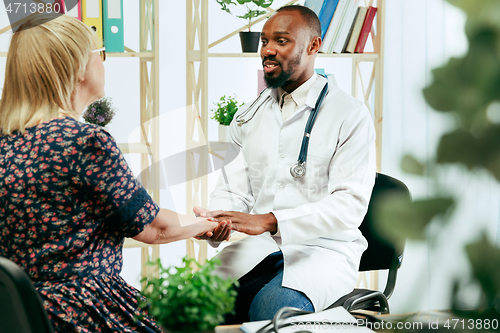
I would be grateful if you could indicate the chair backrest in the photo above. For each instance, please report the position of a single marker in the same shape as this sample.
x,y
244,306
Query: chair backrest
x,y
382,253
21,309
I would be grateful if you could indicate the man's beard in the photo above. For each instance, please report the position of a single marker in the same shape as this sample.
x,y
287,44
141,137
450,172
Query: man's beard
x,y
284,76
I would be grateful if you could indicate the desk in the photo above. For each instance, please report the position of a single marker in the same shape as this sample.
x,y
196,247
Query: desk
x,y
228,329
409,322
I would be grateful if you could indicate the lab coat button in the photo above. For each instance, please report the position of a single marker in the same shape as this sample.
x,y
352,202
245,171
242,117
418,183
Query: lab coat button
x,y
282,156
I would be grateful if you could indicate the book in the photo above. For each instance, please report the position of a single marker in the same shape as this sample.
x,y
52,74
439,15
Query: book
x,y
350,30
365,29
358,24
344,27
332,27
326,14
315,5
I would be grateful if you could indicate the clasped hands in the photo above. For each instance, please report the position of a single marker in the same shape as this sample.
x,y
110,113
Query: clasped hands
x,y
250,224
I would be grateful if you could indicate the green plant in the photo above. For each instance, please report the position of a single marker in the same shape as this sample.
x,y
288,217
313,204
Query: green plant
x,y
186,302
466,89
251,8
100,113
226,108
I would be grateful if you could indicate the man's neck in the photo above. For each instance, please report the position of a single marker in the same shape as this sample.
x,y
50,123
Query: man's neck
x,y
290,87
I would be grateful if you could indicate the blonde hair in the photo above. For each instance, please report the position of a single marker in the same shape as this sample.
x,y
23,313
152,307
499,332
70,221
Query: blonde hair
x,y
46,57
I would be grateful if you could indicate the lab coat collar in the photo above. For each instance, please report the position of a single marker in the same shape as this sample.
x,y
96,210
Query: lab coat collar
x,y
312,97
299,95
315,90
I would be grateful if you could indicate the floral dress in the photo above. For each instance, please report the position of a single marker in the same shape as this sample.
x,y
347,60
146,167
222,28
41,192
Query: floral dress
x,y
67,201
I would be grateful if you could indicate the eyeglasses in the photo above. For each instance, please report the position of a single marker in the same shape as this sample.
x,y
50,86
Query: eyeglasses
x,y
102,53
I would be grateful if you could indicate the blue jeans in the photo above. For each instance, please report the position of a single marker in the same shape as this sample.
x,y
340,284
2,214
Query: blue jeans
x,y
260,294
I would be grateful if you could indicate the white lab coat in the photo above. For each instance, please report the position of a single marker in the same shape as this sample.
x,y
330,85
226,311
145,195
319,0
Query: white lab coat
x,y
318,215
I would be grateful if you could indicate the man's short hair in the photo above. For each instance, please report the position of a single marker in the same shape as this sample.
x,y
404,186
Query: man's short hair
x,y
308,15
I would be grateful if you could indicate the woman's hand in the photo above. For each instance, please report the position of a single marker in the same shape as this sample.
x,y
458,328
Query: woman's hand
x,y
221,233
168,226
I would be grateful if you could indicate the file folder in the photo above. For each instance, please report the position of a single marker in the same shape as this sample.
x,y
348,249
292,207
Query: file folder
x,y
75,11
57,7
92,16
113,25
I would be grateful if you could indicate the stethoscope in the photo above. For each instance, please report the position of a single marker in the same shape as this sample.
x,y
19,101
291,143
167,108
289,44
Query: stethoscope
x,y
298,170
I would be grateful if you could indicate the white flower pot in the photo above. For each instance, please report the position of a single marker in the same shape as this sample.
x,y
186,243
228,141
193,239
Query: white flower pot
x,y
224,133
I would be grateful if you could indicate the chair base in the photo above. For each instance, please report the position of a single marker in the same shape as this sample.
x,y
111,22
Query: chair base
x,y
365,299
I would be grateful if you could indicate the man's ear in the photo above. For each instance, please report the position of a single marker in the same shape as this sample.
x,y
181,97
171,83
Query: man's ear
x,y
314,45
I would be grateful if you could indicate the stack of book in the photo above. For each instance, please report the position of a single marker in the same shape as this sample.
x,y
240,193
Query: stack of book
x,y
104,16
345,26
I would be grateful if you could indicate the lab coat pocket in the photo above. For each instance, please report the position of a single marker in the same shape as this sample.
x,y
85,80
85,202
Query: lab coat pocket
x,y
320,151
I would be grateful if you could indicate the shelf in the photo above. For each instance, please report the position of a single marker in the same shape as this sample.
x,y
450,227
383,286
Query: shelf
x,y
130,54
367,56
117,54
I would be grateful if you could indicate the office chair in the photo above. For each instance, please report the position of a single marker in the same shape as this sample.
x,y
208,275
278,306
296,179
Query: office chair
x,y
21,308
381,253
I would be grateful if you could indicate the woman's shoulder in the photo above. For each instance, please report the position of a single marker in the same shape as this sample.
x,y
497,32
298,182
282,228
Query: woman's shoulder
x,y
73,130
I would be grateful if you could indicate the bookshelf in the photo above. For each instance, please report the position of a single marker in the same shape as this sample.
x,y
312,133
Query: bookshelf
x,y
148,147
198,55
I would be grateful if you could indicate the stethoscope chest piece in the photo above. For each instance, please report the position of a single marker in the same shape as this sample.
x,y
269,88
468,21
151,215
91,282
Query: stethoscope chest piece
x,y
298,170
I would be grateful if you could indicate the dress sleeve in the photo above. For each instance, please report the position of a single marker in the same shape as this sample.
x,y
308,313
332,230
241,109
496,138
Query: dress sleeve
x,y
114,195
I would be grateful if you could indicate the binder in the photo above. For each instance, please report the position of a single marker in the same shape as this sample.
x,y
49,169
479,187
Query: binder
x,y
58,6
75,10
113,25
92,16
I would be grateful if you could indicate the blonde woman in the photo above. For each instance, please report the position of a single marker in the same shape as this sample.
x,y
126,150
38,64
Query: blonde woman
x,y
67,197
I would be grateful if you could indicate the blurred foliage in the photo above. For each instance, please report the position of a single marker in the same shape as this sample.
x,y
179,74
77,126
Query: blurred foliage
x,y
186,302
403,219
410,164
467,89
485,261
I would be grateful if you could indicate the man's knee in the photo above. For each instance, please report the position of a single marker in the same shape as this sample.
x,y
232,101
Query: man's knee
x,y
270,299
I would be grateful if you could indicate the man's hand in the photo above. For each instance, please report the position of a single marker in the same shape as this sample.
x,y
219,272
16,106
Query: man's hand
x,y
221,233
250,224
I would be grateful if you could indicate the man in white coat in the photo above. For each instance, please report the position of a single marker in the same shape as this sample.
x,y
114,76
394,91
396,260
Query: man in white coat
x,y
304,246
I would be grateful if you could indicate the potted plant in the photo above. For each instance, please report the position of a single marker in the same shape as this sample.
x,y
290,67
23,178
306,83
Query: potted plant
x,y
100,113
253,8
224,113
185,302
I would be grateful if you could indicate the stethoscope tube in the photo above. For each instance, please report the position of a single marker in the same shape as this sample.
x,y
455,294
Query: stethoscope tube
x,y
298,170
240,119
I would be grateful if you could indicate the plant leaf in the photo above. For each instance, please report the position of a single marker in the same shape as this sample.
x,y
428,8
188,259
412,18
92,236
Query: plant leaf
x,y
485,261
400,218
410,164
482,150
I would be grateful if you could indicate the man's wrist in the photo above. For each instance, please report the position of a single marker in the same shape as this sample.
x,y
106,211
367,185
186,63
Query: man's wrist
x,y
272,223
